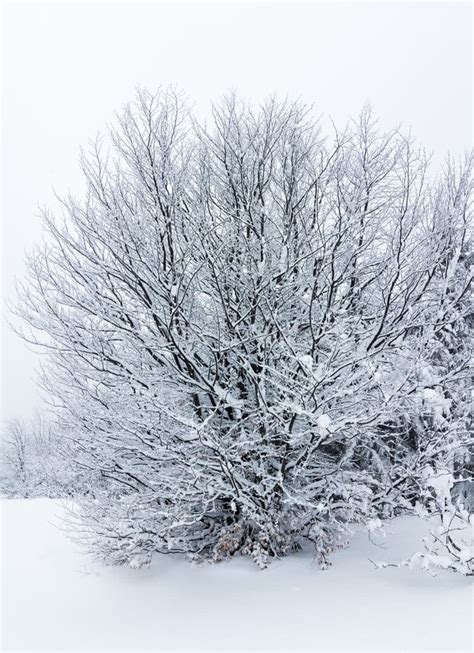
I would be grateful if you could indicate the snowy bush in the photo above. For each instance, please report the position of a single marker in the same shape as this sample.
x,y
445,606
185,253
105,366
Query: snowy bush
x,y
450,542
252,328
35,463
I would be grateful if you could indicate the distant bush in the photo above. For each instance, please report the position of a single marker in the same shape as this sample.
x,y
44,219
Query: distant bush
x,y
35,462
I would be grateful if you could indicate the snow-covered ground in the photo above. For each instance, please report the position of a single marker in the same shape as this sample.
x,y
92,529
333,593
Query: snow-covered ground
x,y
54,598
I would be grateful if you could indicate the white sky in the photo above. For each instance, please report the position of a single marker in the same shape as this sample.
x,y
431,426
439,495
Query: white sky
x,y
68,66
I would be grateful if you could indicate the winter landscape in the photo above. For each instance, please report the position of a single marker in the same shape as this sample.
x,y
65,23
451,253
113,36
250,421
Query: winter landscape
x,y
251,324
173,605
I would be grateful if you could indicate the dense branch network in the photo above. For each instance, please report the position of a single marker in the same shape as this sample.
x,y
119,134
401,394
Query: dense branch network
x,y
256,334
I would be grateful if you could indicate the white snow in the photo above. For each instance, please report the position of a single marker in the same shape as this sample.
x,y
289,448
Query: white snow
x,y
174,290
54,598
438,404
324,422
440,480
307,361
374,525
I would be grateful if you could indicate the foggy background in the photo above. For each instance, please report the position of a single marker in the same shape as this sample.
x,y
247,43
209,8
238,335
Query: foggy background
x,y
67,67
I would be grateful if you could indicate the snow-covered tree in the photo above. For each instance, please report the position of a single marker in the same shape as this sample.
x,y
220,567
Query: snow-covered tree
x,y
437,422
241,321
35,461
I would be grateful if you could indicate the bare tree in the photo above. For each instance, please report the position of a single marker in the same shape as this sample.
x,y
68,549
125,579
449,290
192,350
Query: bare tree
x,y
15,452
238,319
35,461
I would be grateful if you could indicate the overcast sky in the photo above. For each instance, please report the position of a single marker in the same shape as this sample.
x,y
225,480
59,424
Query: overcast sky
x,y
67,67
